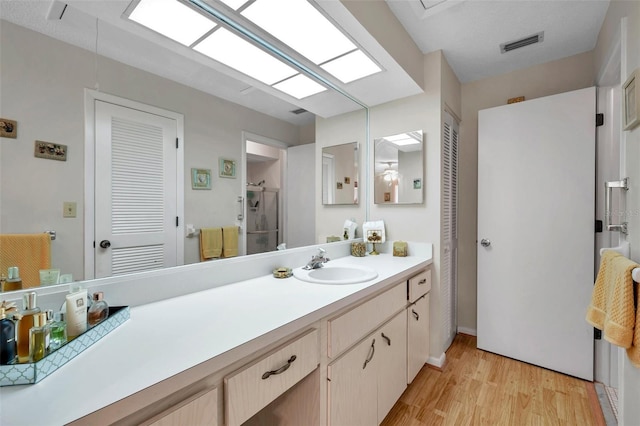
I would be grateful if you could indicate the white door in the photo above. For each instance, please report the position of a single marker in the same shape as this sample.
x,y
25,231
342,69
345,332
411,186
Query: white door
x,y
536,195
135,190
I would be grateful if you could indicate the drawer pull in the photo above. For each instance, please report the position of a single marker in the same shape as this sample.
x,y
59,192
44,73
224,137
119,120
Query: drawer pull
x,y
279,370
372,351
387,339
415,314
422,281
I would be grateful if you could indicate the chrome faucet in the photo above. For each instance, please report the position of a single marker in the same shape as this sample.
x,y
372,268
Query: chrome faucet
x,y
318,260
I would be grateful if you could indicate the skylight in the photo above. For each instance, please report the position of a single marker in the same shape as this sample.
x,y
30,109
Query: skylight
x,y
300,86
351,66
235,52
172,19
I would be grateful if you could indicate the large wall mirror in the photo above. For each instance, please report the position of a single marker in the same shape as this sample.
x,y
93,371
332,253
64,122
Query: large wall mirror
x,y
399,168
47,63
340,174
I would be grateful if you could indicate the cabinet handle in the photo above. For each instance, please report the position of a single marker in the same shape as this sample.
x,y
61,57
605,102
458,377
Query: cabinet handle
x,y
386,338
279,370
422,281
372,351
415,314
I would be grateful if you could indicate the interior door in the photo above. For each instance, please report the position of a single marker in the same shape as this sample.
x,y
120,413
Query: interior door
x,y
135,191
536,195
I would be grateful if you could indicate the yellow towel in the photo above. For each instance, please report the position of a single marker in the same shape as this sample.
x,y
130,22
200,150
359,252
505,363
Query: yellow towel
x,y
634,351
29,252
210,243
230,244
612,307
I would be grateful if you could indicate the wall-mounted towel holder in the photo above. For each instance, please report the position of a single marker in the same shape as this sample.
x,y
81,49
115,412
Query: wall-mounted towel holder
x,y
608,186
52,234
624,250
195,232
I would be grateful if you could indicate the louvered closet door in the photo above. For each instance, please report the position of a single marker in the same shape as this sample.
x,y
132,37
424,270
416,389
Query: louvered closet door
x,y
448,267
135,190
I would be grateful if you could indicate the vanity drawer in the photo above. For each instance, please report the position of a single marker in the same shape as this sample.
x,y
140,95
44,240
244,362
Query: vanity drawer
x,y
252,388
352,326
419,284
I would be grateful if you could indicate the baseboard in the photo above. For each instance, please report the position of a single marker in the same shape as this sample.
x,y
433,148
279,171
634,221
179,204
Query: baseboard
x,y
437,362
469,331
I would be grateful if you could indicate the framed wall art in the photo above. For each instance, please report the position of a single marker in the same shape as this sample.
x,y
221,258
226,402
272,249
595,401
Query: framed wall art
x,y
631,101
227,168
8,128
50,151
200,178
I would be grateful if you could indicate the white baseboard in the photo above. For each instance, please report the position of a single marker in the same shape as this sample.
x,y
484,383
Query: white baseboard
x,y
469,331
437,362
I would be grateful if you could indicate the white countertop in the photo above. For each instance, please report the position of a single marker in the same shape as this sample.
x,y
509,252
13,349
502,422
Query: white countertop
x,y
167,337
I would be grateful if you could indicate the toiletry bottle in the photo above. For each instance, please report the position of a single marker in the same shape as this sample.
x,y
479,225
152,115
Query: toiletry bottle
x,y
13,281
25,324
99,309
38,337
7,339
76,310
58,331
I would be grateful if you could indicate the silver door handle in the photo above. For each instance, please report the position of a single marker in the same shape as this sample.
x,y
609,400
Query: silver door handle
x,y
485,242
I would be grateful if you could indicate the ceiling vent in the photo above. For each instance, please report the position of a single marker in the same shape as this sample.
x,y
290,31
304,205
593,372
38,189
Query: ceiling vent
x,y
298,111
517,44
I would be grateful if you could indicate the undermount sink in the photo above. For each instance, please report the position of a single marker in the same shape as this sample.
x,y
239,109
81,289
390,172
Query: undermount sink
x,y
336,274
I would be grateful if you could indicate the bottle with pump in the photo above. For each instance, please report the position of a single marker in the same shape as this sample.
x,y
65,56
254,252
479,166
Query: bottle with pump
x,y
38,337
58,331
25,324
99,309
13,281
7,337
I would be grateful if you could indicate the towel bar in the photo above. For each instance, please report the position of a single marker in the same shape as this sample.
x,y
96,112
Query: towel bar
x,y
196,232
624,250
608,186
52,234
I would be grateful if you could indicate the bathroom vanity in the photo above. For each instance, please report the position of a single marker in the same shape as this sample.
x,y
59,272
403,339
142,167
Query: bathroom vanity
x,y
263,349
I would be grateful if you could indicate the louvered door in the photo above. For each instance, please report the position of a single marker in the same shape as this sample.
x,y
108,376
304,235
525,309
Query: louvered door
x,y
448,266
135,199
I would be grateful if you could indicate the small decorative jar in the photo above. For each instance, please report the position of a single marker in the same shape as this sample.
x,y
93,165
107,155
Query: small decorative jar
x,y
400,248
358,249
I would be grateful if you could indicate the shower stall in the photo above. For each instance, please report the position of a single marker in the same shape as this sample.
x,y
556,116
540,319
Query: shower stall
x,y
262,219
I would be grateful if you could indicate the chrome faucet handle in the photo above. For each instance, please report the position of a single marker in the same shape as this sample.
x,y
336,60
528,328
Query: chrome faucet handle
x,y
321,252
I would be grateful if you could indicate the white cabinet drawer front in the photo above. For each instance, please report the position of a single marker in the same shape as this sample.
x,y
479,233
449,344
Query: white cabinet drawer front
x,y
417,336
352,326
247,392
201,409
419,285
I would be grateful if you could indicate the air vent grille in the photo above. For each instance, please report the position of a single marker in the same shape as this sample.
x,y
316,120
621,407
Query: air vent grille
x,y
298,111
517,44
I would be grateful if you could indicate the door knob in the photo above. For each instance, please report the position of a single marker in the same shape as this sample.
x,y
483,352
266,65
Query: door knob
x,y
105,244
485,242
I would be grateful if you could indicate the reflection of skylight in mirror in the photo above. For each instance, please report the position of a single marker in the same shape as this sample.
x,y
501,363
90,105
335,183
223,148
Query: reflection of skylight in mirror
x,y
172,19
351,67
234,4
299,86
402,139
301,26
233,51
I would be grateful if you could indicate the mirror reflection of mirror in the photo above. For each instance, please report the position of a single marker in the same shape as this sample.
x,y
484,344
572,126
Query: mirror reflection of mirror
x,y
399,169
340,174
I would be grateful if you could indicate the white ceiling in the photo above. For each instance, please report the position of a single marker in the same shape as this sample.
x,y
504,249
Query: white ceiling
x,y
470,32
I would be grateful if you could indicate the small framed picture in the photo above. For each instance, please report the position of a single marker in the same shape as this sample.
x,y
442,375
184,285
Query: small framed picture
x,y
417,184
200,178
8,128
227,168
631,101
347,180
387,197
50,151
339,185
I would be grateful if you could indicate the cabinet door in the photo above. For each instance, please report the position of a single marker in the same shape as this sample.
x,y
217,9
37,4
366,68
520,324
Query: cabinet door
x,y
392,363
353,385
201,409
417,336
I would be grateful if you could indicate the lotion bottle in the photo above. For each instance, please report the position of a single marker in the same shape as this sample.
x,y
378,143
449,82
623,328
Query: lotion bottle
x,y
76,310
25,324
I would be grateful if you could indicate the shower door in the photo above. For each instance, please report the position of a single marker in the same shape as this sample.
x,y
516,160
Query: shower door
x,y
262,220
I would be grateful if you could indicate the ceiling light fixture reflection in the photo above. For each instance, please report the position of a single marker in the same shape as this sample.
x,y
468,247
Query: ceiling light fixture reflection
x,y
299,86
225,47
402,140
301,26
351,66
172,19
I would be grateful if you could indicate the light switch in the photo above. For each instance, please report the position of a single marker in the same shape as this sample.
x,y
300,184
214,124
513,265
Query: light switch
x,y
69,209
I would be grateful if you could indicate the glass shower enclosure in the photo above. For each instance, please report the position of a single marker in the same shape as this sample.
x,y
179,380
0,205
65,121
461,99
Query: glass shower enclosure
x,y
262,219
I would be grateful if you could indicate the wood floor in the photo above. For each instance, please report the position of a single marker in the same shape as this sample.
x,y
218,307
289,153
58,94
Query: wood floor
x,y
481,388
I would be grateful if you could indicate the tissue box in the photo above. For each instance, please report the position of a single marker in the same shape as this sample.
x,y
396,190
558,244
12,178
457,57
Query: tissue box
x,y
400,248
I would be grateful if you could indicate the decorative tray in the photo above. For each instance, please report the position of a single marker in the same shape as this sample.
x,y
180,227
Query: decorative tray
x,y
26,373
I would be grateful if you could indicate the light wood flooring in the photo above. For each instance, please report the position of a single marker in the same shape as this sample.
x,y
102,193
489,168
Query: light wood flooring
x,y
481,388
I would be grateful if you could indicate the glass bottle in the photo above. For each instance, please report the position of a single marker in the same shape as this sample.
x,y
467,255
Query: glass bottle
x,y
58,331
99,309
7,339
25,324
38,337
13,281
